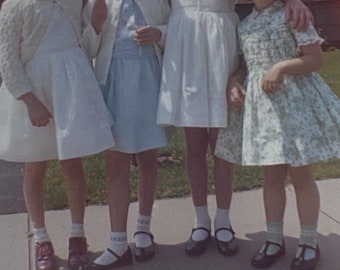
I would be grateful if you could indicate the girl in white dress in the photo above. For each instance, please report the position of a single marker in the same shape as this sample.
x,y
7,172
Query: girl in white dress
x,y
291,119
50,108
200,54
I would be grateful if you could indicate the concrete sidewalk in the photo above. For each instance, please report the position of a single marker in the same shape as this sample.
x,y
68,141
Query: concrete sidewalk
x,y
171,226
11,195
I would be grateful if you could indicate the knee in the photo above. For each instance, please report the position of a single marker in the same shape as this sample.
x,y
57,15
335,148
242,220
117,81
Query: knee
x,y
302,178
117,168
147,160
274,184
35,170
71,166
303,184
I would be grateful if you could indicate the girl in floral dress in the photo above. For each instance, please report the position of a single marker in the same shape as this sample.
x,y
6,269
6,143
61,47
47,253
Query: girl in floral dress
x,y
290,120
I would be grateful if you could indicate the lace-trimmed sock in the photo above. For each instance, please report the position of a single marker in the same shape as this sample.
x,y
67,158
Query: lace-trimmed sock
x,y
274,235
143,225
41,235
202,219
77,230
308,236
222,220
118,244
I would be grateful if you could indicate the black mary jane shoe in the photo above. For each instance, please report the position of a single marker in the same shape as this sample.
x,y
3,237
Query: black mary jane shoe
x,y
143,254
195,248
300,263
261,260
124,260
227,248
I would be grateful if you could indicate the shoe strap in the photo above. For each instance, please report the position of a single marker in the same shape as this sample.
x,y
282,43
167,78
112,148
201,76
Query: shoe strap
x,y
225,229
304,248
142,232
268,243
200,228
113,253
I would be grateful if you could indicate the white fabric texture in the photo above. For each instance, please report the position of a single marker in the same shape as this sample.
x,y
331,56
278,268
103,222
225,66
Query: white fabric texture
x,y
200,54
24,36
61,78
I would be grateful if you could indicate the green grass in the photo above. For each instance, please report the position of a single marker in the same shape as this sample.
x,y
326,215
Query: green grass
x,y
172,173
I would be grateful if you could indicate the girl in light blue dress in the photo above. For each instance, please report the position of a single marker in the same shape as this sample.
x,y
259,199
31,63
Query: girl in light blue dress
x,y
291,119
127,51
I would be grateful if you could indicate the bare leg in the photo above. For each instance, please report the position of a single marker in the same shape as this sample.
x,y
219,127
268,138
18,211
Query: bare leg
x,y
76,188
34,192
34,197
197,140
118,168
147,180
274,197
307,194
274,193
224,176
308,204
76,193
147,183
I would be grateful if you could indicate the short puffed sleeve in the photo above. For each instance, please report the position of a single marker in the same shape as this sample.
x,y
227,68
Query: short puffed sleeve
x,y
310,36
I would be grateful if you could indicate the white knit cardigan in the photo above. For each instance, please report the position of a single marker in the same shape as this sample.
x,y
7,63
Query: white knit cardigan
x,y
23,23
155,12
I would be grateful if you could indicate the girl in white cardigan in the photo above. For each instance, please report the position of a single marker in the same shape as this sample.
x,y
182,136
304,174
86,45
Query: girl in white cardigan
x,y
127,48
51,108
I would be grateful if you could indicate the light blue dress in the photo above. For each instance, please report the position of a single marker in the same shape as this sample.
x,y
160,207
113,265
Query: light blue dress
x,y
132,87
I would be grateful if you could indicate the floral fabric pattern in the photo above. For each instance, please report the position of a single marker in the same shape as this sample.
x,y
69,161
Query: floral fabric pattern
x,y
299,123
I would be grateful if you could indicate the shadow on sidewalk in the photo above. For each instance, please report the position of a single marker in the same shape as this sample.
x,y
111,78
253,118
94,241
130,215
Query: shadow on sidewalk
x,y
173,257
329,247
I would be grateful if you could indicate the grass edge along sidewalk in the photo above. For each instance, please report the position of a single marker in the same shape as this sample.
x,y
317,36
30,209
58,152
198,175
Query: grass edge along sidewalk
x,y
172,179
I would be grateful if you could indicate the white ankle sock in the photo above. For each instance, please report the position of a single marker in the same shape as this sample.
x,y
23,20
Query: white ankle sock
x,y
307,237
202,219
143,225
118,244
77,230
222,220
41,235
274,235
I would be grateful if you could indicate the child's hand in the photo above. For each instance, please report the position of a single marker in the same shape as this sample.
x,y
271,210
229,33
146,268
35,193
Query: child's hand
x,y
271,79
147,35
38,113
99,15
235,94
298,14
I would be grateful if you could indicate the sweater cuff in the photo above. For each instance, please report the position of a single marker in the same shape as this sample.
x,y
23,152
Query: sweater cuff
x,y
91,40
161,42
19,93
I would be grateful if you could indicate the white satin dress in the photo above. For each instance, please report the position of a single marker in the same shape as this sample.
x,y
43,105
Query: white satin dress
x,y
200,55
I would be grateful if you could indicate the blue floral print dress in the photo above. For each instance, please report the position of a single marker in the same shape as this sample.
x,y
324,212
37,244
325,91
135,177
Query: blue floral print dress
x,y
297,124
